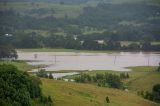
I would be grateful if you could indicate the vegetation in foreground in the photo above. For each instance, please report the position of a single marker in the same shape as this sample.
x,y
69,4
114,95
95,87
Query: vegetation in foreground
x,y
76,94
121,81
18,88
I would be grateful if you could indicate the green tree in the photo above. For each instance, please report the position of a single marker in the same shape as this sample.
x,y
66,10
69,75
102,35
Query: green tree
x,y
107,99
17,87
50,76
8,52
156,92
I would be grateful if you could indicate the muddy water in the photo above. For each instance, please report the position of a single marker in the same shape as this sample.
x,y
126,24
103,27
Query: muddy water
x,y
91,61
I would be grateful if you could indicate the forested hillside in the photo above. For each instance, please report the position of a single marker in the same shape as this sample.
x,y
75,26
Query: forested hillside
x,y
107,20
53,1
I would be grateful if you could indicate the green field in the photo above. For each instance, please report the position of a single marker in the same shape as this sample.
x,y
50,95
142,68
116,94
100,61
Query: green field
x,y
76,94
21,65
62,50
143,78
126,43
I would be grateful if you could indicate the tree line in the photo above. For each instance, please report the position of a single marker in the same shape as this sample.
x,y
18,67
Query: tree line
x,y
104,80
33,40
7,52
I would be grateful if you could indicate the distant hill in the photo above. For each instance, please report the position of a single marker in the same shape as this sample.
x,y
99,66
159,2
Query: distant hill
x,y
81,1
121,20
54,1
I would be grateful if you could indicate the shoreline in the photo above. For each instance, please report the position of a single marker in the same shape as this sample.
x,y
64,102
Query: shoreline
x,y
78,51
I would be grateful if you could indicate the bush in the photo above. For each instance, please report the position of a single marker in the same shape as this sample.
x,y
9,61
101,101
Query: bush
x,y
17,87
42,73
153,96
50,76
107,99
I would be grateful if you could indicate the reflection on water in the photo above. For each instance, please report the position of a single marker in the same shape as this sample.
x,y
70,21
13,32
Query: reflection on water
x,y
91,61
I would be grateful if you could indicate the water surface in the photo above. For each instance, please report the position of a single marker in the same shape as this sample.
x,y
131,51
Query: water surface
x,y
91,61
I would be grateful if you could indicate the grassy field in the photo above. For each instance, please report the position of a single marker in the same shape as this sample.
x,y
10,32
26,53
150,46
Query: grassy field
x,y
126,43
63,50
22,65
76,94
143,78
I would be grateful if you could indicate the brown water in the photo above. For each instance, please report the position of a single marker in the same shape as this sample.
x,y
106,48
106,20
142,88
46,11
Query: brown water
x,y
91,61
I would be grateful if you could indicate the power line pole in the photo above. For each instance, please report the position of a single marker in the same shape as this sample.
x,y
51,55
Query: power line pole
x,y
148,60
55,59
115,59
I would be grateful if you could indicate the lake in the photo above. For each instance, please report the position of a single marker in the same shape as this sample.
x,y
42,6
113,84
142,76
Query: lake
x,y
116,61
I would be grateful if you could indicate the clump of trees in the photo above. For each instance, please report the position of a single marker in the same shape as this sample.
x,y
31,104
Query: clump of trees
x,y
124,75
7,52
17,88
46,100
104,80
153,96
158,69
42,73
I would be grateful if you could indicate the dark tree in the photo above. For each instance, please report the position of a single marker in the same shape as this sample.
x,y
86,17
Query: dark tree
x,y
50,76
107,99
8,52
156,92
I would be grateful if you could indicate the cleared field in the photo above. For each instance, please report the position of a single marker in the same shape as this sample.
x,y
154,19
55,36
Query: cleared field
x,y
76,94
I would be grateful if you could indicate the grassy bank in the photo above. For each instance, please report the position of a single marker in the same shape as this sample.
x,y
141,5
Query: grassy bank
x,y
64,50
143,78
76,94
21,65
